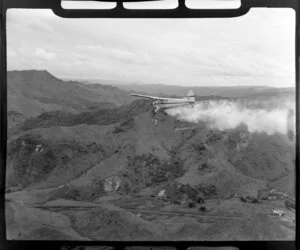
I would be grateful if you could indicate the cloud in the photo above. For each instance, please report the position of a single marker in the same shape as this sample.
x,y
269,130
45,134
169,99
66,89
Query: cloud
x,y
43,54
180,51
123,55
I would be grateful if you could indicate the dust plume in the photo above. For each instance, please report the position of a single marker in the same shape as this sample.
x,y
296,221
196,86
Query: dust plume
x,y
259,117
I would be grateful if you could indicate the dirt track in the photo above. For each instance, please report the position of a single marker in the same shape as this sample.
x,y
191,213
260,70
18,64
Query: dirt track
x,y
187,214
179,213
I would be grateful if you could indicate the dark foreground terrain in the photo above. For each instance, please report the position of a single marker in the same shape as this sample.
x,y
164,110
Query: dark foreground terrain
x,y
81,171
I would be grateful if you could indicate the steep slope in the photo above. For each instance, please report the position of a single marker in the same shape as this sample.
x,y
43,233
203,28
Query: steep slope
x,y
126,143
51,157
33,92
82,172
97,116
92,176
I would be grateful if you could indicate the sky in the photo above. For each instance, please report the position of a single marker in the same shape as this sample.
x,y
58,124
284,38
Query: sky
x,y
255,49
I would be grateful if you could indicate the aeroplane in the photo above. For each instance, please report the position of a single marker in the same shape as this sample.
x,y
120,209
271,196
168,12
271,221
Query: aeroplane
x,y
168,103
164,103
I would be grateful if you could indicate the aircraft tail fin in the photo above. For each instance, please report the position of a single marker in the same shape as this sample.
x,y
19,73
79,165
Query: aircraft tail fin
x,y
190,96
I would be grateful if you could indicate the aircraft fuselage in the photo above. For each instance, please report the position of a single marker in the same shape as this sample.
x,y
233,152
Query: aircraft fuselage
x,y
171,103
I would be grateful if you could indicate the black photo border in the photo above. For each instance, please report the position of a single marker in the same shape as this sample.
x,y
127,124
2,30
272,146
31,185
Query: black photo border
x,y
119,12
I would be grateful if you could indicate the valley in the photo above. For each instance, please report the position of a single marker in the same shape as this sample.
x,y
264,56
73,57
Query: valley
x,y
89,163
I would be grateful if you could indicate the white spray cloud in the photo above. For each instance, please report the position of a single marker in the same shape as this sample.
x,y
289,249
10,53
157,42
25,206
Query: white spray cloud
x,y
224,115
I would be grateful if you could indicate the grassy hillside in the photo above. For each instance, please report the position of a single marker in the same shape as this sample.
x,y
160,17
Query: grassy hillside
x,y
99,116
55,149
89,168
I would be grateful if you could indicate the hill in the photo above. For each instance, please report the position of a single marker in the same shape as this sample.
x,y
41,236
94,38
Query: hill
x,y
99,116
168,180
67,173
52,143
34,92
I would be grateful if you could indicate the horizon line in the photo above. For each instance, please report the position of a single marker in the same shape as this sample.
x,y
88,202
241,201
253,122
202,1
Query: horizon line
x,y
139,83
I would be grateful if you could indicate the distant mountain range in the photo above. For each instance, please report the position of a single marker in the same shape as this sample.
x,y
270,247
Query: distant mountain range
x,y
176,90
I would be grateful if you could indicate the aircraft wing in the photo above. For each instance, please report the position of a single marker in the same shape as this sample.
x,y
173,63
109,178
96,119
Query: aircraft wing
x,y
149,97
214,98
